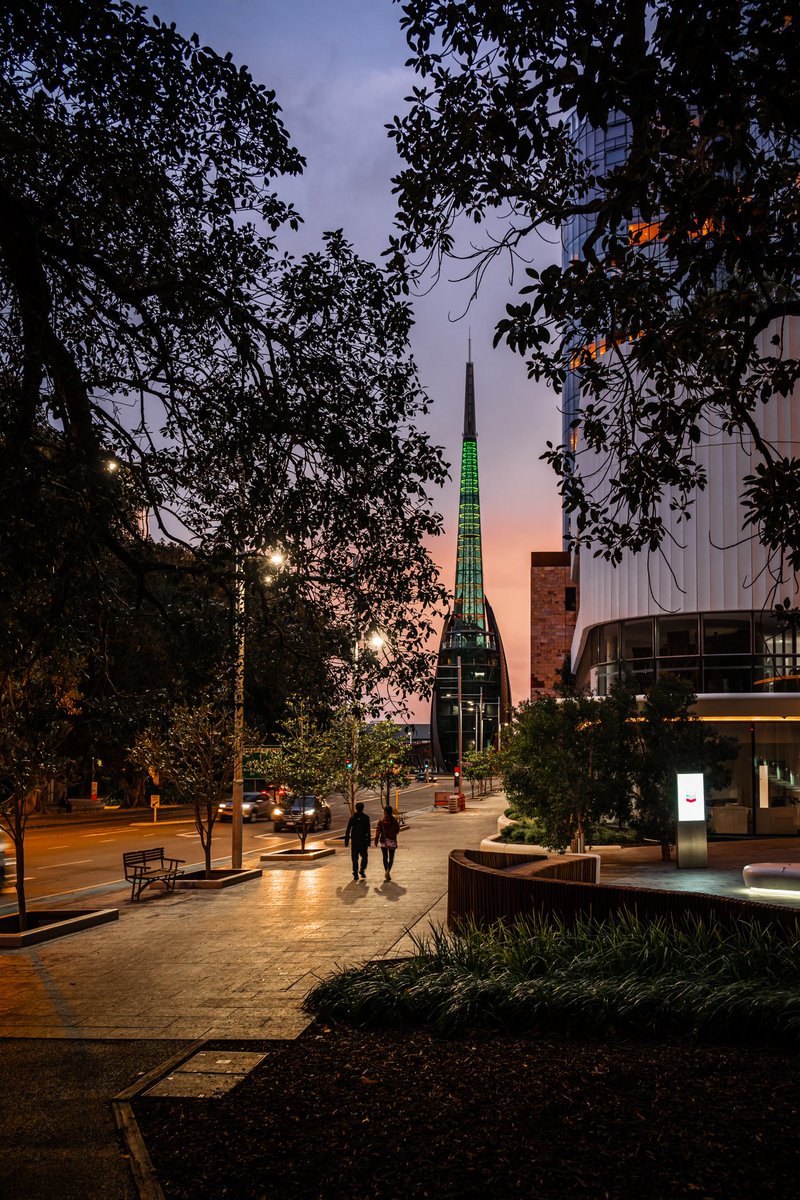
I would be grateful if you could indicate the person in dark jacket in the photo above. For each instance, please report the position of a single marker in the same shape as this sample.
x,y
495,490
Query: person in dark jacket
x,y
356,836
386,832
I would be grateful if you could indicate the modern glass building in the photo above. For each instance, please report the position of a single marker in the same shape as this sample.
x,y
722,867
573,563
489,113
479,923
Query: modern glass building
x,y
705,609
471,699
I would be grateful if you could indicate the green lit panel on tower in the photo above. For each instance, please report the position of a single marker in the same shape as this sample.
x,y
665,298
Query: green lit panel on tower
x,y
471,696
469,605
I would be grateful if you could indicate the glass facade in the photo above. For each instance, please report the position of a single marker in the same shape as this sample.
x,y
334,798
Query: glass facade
x,y
719,653
739,652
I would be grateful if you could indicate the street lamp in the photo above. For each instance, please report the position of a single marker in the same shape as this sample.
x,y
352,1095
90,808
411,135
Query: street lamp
x,y
277,560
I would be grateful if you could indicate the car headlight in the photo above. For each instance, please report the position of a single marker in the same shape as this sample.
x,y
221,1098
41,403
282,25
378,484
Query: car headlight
x,y
276,812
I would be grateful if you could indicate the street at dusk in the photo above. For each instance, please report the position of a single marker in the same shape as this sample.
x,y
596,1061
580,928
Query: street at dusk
x,y
399,600
75,855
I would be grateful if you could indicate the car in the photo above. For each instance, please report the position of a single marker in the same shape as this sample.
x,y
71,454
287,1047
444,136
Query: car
x,y
254,805
5,873
425,777
289,812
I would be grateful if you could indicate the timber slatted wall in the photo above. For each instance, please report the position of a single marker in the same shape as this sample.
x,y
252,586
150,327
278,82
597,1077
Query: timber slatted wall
x,y
480,891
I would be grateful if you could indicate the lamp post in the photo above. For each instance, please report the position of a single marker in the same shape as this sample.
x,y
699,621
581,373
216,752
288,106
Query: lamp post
x,y
460,727
237,821
376,641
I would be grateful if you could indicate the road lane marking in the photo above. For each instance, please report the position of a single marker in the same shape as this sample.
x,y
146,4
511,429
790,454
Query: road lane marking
x,y
76,862
103,833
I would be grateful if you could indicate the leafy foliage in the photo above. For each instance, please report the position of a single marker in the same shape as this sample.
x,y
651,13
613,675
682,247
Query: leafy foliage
x,y
564,763
622,974
570,764
165,365
673,310
35,712
195,755
666,739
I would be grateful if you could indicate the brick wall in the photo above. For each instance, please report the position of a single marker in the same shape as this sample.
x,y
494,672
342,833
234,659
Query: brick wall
x,y
554,604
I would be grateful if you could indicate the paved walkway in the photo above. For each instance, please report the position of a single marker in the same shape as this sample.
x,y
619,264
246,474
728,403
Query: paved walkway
x,y
85,1016
234,963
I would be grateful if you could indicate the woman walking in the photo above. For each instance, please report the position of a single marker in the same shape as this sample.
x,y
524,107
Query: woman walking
x,y
386,832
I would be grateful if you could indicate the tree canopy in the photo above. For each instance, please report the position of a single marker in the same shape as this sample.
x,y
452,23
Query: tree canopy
x,y
165,362
671,311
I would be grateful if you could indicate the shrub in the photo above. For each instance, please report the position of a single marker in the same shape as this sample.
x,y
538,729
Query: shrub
x,y
650,978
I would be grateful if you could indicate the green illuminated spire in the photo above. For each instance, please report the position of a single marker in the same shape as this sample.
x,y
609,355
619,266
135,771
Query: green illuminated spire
x,y
469,605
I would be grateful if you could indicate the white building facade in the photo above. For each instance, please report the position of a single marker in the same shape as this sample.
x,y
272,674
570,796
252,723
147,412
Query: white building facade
x,y
704,609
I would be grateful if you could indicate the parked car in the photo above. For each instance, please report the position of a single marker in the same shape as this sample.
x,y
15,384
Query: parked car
x,y
5,849
254,805
288,813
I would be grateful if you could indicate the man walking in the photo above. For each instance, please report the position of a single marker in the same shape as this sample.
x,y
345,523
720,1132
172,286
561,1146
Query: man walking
x,y
356,836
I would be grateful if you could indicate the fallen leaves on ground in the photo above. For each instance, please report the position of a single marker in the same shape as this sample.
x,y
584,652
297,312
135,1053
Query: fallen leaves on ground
x,y
550,1118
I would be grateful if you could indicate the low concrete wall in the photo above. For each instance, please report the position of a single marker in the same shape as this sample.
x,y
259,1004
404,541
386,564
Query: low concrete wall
x,y
494,845
481,889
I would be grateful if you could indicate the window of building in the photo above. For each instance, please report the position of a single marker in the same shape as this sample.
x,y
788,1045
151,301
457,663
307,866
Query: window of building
x,y
677,636
637,639
687,669
726,633
727,675
609,643
570,599
774,636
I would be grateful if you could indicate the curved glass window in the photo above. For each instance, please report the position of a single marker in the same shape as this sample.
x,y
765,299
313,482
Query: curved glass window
x,y
644,649
677,636
726,633
637,640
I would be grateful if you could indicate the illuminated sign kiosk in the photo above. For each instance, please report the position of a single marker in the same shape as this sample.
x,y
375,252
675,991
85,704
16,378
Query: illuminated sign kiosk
x,y
692,840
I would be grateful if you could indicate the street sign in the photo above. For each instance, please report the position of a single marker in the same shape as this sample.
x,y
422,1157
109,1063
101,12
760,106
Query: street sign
x,y
155,800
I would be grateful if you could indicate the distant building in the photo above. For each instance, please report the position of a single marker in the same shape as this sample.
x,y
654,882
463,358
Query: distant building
x,y
554,609
471,666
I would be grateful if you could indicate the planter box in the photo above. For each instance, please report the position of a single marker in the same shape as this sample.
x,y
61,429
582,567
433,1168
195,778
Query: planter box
x,y
296,855
220,878
44,924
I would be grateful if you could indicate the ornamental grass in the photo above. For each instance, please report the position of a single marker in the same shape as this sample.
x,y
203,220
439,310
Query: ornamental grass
x,y
626,975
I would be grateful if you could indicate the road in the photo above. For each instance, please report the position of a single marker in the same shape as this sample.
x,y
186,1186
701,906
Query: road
x,y
71,854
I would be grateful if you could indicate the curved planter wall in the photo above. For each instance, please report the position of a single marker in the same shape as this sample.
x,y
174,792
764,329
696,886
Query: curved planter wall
x,y
479,890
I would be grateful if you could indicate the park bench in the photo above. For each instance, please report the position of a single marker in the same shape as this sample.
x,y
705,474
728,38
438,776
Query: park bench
x,y
143,867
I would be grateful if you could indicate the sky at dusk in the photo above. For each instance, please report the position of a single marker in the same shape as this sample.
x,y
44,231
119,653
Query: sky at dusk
x,y
337,67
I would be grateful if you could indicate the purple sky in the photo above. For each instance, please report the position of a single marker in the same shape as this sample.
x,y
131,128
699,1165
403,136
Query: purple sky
x,y
337,67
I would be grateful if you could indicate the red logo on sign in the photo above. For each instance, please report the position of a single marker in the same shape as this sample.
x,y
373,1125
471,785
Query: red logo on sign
x,y
690,799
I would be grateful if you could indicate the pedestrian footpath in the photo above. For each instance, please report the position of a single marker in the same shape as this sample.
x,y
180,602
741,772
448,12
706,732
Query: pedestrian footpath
x,y
235,963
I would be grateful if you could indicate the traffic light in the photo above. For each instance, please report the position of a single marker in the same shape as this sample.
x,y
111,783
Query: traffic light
x,y
457,779
349,764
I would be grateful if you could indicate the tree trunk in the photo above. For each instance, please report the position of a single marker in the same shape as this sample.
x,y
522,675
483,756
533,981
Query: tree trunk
x,y
19,848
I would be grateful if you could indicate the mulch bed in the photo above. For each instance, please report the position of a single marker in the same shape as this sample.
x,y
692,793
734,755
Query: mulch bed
x,y
345,1113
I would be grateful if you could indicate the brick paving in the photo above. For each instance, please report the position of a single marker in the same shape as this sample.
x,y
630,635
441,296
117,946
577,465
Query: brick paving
x,y
83,1017
234,963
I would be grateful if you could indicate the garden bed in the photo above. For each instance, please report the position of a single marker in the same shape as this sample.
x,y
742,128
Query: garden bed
x,y
46,924
219,878
403,1114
